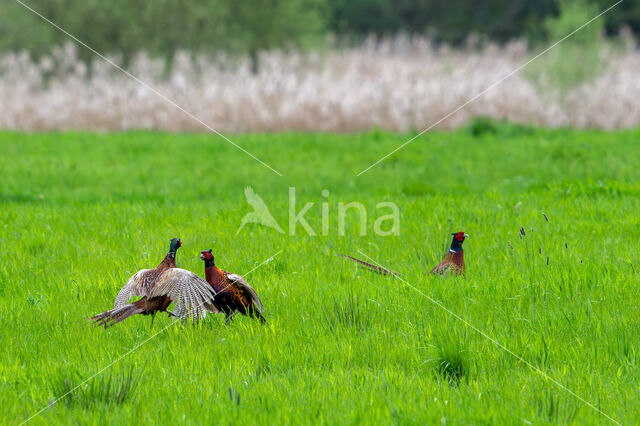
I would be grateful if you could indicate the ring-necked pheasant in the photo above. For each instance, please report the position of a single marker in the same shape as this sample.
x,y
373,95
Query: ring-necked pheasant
x,y
159,287
233,293
453,261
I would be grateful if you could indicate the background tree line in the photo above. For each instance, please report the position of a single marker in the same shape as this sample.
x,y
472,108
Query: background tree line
x,y
161,27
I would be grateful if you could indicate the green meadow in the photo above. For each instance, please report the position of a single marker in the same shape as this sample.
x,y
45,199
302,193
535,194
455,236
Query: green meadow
x,y
80,213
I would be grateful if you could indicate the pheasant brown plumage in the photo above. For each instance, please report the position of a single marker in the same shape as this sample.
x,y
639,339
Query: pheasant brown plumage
x,y
454,259
233,293
159,287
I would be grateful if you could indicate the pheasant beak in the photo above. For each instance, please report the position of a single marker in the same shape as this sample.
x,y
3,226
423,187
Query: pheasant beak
x,y
466,235
201,256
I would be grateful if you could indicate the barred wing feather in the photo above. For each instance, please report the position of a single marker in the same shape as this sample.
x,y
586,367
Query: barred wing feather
x,y
191,294
131,288
240,282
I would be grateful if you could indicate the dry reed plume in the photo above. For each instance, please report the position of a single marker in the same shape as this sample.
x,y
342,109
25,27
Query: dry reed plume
x,y
395,85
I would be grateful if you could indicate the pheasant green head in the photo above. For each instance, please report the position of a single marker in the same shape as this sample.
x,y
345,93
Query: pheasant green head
x,y
175,245
458,239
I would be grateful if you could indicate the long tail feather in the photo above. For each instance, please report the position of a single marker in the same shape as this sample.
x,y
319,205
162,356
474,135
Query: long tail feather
x,y
114,316
371,267
257,314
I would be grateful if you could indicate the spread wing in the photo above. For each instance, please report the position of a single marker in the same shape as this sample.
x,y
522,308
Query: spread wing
x,y
241,283
133,287
192,295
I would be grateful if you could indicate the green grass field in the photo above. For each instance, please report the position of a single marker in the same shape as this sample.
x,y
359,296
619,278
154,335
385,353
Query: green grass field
x,y
82,212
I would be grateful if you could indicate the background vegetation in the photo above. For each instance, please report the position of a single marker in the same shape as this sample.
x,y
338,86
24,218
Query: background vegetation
x,y
82,212
161,27
321,65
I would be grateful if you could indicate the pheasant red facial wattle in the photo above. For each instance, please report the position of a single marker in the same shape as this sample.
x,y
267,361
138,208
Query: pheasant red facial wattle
x,y
208,258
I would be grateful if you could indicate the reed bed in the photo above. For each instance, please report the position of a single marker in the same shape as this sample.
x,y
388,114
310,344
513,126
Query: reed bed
x,y
397,85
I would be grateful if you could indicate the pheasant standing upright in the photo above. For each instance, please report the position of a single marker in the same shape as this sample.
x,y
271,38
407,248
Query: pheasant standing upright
x,y
233,293
453,261
159,287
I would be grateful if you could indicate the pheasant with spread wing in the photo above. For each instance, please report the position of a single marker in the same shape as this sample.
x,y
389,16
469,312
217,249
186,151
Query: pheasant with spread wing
x,y
233,293
159,287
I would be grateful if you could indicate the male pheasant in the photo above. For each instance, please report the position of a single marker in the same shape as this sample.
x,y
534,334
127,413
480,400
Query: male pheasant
x,y
453,261
159,287
233,293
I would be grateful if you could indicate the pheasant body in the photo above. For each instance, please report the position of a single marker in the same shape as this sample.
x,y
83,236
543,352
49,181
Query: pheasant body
x,y
453,262
233,293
